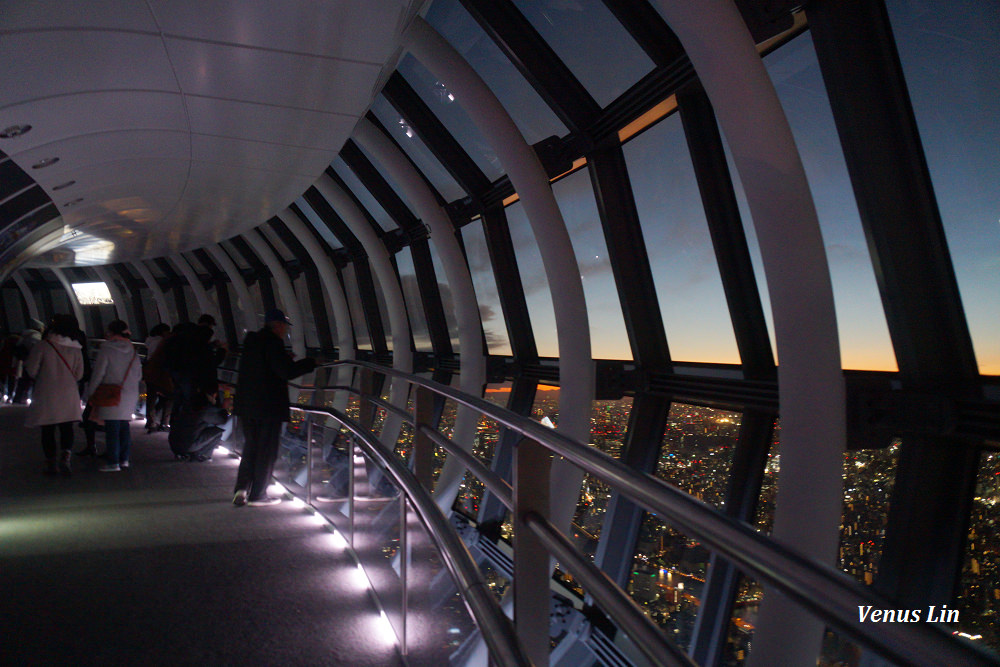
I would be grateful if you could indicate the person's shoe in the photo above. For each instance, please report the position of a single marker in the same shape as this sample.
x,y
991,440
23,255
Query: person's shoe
x,y
109,467
264,501
64,460
240,499
89,451
163,427
124,464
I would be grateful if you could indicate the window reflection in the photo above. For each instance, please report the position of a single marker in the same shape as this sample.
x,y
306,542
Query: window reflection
x,y
949,52
484,282
533,117
536,284
575,196
583,33
681,255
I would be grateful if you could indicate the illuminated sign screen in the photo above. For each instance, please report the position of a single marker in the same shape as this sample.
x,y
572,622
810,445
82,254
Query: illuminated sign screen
x,y
93,294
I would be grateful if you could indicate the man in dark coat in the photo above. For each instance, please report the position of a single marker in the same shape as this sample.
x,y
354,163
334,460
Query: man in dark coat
x,y
262,405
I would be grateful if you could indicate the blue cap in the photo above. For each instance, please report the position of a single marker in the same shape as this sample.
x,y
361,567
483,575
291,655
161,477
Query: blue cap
x,y
275,315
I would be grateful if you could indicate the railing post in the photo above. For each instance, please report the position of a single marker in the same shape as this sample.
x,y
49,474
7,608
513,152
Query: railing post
x,y
351,487
309,457
366,409
404,565
423,446
532,464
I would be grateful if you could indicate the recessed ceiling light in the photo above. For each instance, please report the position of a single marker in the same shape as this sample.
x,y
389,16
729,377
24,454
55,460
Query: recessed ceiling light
x,y
14,131
63,185
45,162
74,202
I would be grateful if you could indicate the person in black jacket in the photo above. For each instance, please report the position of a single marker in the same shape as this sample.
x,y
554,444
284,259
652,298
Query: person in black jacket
x,y
262,405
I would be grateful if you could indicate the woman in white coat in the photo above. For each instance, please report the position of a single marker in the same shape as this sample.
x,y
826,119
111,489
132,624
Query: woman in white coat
x,y
116,363
56,364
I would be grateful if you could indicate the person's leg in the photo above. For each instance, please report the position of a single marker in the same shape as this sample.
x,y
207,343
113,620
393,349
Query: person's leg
x,y
124,443
111,433
65,446
49,448
267,452
251,437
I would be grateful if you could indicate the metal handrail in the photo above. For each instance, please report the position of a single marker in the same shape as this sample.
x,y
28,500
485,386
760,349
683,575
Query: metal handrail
x,y
496,629
819,588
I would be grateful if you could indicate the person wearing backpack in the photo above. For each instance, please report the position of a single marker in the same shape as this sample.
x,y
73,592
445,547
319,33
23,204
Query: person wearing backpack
x,y
114,392
56,365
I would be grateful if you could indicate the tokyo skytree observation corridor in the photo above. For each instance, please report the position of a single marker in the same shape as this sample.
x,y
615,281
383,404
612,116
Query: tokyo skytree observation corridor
x,y
645,331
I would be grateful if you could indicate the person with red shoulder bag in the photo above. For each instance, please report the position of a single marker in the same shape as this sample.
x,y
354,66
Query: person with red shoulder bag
x,y
113,390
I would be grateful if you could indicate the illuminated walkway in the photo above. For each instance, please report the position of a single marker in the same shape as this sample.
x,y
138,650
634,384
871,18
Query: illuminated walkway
x,y
154,566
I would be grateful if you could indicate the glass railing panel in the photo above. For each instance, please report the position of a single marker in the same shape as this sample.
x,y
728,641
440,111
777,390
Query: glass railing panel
x,y
439,627
979,585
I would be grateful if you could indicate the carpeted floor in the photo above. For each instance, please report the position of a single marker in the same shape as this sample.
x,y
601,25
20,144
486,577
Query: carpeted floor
x,y
155,566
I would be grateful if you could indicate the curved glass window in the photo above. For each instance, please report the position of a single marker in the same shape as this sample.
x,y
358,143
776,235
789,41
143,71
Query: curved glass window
x,y
533,117
608,337
364,196
415,148
949,52
301,287
414,306
679,246
361,336
317,223
447,298
585,34
449,111
533,279
484,282
279,246
864,336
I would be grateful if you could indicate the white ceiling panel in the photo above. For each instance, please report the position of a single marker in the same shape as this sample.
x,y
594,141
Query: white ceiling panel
x,y
279,125
272,77
258,155
183,122
361,31
48,14
87,113
60,62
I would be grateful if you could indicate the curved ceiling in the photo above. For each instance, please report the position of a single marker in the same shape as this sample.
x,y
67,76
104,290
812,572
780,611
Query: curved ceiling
x,y
183,122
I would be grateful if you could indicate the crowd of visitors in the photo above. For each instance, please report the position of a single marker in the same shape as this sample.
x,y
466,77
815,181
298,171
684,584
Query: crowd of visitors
x,y
47,367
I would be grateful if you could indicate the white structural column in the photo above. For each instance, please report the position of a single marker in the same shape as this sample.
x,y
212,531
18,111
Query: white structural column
x,y
244,301
200,295
162,305
576,368
807,516
116,294
473,370
402,350
291,305
73,301
328,275
29,298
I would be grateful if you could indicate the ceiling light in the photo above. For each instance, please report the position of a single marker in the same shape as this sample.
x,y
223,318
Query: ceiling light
x,y
45,162
74,202
63,185
14,131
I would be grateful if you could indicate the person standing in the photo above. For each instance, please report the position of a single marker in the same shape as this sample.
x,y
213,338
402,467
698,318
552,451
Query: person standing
x,y
116,364
56,364
29,338
262,405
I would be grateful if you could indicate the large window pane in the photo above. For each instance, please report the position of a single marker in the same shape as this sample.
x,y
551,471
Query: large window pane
x,y
409,138
608,337
448,109
318,224
681,255
949,51
361,336
536,285
584,34
414,306
447,298
484,282
533,117
364,196
864,336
